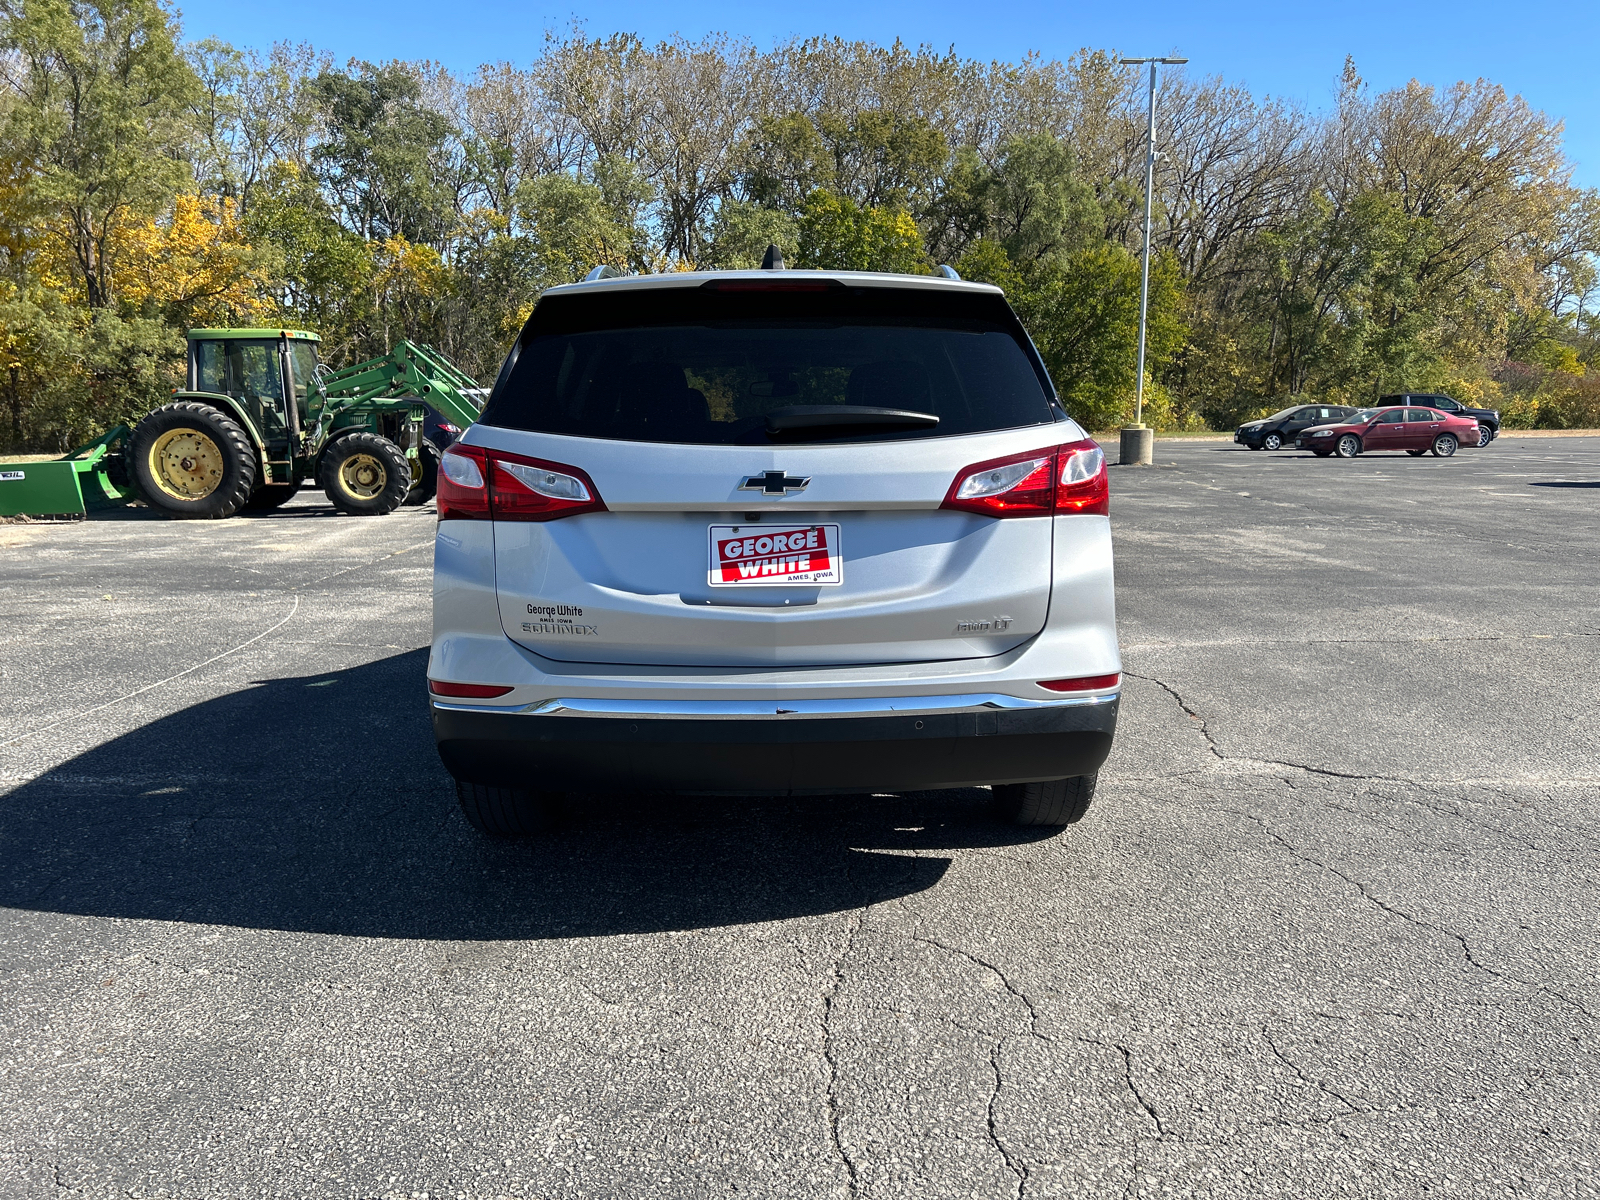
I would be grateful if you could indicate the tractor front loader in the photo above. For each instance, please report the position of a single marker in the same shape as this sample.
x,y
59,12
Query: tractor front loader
x,y
261,415
92,476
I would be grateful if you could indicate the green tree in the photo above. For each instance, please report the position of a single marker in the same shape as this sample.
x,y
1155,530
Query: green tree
x,y
384,157
741,232
572,228
323,270
1038,207
1082,311
101,123
838,235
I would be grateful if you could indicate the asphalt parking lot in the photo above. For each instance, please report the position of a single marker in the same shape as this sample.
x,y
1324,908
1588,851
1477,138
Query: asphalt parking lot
x,y
1329,930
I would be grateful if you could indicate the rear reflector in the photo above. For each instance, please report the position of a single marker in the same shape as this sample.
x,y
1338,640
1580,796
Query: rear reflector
x,y
467,691
1084,683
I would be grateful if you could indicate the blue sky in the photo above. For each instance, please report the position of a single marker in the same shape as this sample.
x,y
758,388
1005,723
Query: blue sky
x,y
1284,48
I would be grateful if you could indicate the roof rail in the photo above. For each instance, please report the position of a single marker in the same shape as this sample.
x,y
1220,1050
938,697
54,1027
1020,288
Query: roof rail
x,y
604,271
949,272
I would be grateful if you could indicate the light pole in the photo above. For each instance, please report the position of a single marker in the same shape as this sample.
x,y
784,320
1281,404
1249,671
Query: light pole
x,y
1138,443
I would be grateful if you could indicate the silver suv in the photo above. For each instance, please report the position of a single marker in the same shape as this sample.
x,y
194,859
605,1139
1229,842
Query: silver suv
x,y
773,532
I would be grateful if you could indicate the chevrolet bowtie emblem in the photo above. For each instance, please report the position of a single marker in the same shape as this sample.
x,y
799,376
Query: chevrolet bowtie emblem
x,y
775,483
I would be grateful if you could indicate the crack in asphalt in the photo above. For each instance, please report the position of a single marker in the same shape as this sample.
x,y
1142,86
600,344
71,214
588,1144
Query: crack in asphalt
x,y
1021,996
1018,1167
1378,901
831,1096
1145,1105
1205,732
1319,1084
1328,772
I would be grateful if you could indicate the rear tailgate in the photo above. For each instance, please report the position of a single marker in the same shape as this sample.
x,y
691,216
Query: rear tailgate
x,y
631,585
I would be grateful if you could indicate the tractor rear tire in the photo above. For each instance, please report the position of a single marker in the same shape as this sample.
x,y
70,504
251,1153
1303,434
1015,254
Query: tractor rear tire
x,y
192,461
428,486
365,475
271,495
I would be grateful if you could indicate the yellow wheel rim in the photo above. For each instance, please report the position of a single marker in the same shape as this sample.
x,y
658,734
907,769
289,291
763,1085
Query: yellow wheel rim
x,y
363,476
186,464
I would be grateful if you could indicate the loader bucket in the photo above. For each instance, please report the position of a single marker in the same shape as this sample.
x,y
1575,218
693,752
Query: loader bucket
x,y
40,489
66,488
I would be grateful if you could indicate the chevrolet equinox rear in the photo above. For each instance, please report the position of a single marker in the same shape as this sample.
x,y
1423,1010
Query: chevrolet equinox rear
x,y
773,532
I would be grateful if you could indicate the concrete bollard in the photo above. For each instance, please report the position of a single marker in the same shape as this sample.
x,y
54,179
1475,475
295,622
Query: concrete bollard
x,y
1138,445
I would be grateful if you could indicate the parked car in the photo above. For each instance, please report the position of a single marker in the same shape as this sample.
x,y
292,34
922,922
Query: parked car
x,y
1488,419
1281,428
773,532
1414,430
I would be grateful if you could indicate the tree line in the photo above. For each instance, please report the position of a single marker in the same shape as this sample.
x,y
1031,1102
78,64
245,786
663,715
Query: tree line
x,y
1419,238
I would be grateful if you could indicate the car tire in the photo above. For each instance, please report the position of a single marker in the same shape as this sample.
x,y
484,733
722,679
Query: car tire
x,y
1444,445
192,461
1322,453
506,812
1485,436
1348,446
1272,442
1054,802
365,475
1248,446
1416,453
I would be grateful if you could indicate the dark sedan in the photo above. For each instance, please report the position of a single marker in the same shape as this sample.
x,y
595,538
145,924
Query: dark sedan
x,y
1414,430
1281,428
1488,419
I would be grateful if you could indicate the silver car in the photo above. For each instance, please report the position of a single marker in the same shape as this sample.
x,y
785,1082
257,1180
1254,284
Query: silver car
x,y
773,532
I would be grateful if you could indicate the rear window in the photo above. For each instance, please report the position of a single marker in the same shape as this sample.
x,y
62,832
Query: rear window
x,y
743,365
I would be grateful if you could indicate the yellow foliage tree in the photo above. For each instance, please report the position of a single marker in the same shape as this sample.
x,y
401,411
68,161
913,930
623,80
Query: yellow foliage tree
x,y
409,283
193,265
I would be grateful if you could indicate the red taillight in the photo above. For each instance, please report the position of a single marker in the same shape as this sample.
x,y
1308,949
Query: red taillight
x,y
1082,485
463,493
1084,683
467,691
1063,479
491,485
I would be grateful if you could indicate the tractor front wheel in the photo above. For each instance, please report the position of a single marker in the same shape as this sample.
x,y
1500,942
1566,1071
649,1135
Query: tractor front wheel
x,y
192,460
365,475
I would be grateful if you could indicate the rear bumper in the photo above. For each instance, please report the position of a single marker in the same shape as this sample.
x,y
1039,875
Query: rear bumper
x,y
895,744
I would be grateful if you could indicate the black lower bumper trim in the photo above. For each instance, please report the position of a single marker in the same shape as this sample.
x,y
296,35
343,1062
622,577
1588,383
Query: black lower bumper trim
x,y
775,756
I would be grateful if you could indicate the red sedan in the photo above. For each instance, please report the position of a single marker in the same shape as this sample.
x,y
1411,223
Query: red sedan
x,y
1414,430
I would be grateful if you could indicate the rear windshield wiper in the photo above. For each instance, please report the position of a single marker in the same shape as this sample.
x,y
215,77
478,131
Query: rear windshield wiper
x,y
797,417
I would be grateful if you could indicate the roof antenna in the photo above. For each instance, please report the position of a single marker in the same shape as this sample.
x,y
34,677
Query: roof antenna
x,y
773,261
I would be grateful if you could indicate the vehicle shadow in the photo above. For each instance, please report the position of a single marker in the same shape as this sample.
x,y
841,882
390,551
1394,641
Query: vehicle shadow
x,y
1565,483
318,804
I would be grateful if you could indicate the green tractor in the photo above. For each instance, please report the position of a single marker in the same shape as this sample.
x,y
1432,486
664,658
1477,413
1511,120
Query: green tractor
x,y
261,415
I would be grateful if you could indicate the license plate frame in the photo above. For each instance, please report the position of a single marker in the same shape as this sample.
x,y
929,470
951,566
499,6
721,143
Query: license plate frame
x,y
814,559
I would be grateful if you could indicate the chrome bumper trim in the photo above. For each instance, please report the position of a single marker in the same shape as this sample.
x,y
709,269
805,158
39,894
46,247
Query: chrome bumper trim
x,y
866,706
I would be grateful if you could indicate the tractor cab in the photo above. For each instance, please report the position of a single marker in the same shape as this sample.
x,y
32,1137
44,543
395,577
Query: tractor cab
x,y
266,372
